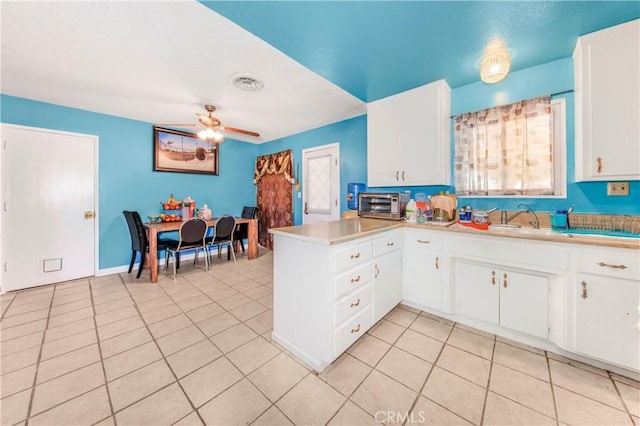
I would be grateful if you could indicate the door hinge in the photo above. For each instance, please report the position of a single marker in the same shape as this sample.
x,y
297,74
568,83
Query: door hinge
x,y
336,160
336,201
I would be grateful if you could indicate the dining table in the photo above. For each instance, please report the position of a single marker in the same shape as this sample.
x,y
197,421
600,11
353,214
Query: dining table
x,y
155,228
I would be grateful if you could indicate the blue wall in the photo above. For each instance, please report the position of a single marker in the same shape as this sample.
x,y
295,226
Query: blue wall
x,y
126,177
553,77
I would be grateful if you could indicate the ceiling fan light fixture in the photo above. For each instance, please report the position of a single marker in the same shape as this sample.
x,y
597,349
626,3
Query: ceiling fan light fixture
x,y
211,134
247,82
495,63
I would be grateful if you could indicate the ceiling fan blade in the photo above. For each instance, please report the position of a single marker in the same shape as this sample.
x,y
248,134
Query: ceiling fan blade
x,y
177,125
244,132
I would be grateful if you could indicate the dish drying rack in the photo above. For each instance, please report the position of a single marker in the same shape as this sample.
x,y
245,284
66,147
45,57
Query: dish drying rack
x,y
615,225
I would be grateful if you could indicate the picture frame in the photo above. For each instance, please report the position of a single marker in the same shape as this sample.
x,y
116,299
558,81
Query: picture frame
x,y
184,152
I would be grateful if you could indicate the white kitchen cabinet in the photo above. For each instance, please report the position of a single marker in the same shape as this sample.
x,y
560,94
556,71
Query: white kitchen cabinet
x,y
408,137
512,299
606,70
387,273
424,265
326,296
607,298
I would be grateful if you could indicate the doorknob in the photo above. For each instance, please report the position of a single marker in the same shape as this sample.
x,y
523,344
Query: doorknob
x,y
89,215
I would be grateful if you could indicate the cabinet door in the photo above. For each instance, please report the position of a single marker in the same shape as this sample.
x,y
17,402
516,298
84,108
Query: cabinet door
x,y
408,137
606,322
423,277
524,302
607,65
387,283
477,288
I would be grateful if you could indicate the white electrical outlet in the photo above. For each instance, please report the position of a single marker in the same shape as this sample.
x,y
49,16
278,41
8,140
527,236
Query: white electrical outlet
x,y
617,188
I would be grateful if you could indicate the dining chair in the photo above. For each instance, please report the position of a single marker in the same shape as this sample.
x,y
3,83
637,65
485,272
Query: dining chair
x,y
223,234
139,241
191,236
242,229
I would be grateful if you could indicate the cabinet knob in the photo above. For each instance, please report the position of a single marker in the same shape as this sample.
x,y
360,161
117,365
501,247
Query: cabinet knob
x,y
390,244
584,289
377,271
423,241
403,175
355,256
355,330
356,279
397,174
504,280
437,262
599,165
493,277
357,303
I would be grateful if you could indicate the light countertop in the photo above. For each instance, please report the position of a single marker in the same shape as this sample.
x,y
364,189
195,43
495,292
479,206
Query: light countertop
x,y
336,232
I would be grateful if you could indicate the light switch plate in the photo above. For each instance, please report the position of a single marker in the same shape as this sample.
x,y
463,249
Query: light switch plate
x,y
618,188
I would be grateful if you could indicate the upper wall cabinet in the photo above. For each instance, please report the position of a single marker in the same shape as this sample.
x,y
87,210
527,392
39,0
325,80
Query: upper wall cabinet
x,y
607,83
408,137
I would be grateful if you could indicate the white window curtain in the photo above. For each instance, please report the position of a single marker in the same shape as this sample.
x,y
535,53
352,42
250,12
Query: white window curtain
x,y
506,150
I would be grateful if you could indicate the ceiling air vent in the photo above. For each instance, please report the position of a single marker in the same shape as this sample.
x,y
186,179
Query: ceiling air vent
x,y
246,82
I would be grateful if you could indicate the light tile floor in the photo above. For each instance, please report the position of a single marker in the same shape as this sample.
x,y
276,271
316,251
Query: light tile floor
x,y
116,350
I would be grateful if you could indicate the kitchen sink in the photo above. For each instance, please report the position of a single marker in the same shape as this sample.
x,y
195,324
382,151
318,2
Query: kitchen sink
x,y
513,229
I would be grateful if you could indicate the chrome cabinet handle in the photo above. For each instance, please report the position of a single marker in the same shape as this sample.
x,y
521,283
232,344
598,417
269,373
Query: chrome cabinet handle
x,y
356,279
584,289
599,163
403,175
390,244
504,281
397,173
357,303
423,241
355,256
355,330
493,277
377,271
608,265
437,262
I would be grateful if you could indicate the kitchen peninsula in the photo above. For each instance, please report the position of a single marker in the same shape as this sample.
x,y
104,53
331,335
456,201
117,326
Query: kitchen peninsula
x,y
570,294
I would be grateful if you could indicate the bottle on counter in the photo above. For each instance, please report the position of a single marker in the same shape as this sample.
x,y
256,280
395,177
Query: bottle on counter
x,y
429,211
410,211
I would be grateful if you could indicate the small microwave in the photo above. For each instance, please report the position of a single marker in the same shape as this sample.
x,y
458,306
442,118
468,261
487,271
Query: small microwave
x,y
382,205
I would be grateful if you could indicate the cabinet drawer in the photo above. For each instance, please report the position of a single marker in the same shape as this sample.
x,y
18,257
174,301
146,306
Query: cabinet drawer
x,y
354,255
388,242
352,280
610,263
352,330
352,304
423,239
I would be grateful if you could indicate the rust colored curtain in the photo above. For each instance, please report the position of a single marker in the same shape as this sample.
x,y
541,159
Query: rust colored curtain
x,y
273,176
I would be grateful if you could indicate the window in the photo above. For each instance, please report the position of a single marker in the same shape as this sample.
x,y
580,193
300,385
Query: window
x,y
511,150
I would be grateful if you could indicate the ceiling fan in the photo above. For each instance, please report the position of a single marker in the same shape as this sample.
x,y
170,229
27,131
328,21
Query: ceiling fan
x,y
212,127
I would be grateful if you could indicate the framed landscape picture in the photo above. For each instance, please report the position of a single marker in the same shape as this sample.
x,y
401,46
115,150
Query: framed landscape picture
x,y
183,152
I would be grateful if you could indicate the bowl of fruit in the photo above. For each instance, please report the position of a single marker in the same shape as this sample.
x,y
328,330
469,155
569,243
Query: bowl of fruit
x,y
171,203
173,217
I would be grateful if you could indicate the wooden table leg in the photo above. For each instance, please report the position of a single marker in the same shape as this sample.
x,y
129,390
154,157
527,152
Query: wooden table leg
x,y
152,236
252,239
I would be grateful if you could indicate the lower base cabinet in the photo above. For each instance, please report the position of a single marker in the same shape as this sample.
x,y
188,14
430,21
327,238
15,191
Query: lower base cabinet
x,y
512,299
607,319
423,269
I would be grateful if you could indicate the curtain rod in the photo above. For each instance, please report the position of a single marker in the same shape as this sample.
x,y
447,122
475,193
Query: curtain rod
x,y
553,94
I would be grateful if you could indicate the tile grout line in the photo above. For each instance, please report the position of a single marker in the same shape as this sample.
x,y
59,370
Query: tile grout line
x,y
624,404
553,392
433,366
104,370
486,393
35,376
163,357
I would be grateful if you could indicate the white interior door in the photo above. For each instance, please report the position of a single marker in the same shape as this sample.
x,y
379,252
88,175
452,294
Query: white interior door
x,y
321,183
48,212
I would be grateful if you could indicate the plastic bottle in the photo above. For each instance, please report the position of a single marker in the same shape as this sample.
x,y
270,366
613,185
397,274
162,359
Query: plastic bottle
x,y
410,211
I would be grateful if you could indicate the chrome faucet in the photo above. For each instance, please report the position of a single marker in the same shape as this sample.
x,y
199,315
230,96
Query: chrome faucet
x,y
535,223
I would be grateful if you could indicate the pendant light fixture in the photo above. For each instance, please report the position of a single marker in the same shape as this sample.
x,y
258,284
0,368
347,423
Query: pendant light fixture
x,y
495,63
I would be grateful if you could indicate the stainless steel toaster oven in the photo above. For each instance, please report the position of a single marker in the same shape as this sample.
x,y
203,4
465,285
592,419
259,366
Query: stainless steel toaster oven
x,y
382,205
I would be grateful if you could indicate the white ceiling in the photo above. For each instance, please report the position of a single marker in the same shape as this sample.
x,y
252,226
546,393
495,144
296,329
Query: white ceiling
x,y
160,62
